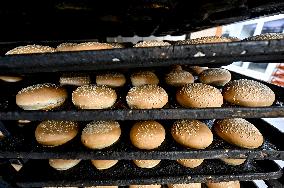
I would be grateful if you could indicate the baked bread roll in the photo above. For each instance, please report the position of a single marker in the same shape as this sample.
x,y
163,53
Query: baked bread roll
x,y
190,163
266,36
233,162
83,46
144,186
7,78
215,76
143,78
146,163
63,164
188,185
230,184
151,43
179,78
206,40
197,69
74,79
104,164
111,79
30,49
104,186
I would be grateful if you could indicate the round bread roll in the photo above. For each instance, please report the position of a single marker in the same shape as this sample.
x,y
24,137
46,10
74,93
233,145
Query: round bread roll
x,y
197,70
233,162
104,186
147,134
24,121
151,43
146,163
94,97
111,79
206,40
192,134
215,76
266,36
198,95
146,97
41,97
190,163
30,49
74,79
54,133
188,185
179,78
239,132
83,46
65,47
59,187
117,45
100,134
63,164
145,186
230,184
143,78
248,93
7,78
103,164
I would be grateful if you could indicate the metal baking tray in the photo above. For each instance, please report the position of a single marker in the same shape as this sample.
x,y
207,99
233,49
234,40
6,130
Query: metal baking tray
x,y
38,173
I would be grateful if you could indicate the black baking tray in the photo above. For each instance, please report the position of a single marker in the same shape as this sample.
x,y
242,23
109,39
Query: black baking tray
x,y
38,173
22,144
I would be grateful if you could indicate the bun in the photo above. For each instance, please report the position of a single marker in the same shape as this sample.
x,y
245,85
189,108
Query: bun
x,y
83,46
94,97
146,163
62,164
147,134
266,36
146,97
215,76
233,162
192,134
6,78
75,79
230,184
239,132
206,40
111,79
198,95
54,133
151,43
41,97
105,186
104,164
179,78
143,78
190,163
144,186
248,93
188,185
30,49
197,70
100,134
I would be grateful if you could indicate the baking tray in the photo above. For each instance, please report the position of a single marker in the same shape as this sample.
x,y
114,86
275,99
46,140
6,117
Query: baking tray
x,y
22,144
38,173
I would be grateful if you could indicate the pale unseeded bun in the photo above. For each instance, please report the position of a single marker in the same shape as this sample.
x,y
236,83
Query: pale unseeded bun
x,y
100,134
248,93
30,49
146,163
179,78
146,97
111,79
94,97
190,163
74,79
63,164
147,134
54,133
24,121
83,46
192,134
104,186
230,184
151,43
188,185
239,132
7,78
143,78
266,36
215,76
198,95
104,164
144,186
209,39
41,97
197,70
233,162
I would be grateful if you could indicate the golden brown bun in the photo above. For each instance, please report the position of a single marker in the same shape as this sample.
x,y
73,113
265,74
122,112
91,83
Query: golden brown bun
x,y
188,185
105,186
147,134
54,133
100,134
146,97
192,134
204,40
197,70
103,164
117,45
59,187
151,43
230,184
75,79
83,46
146,163
143,78
239,132
94,97
65,47
6,78
111,79
266,36
215,76
30,49
179,78
63,164
190,163
233,162
144,186
41,97
198,95
248,93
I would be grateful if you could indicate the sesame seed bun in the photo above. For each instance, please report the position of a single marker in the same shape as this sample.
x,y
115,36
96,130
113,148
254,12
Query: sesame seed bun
x,y
147,134
151,43
30,49
178,78
104,164
192,134
230,184
94,97
66,47
239,132
41,97
215,76
54,133
266,36
63,164
143,78
198,95
74,79
145,186
59,187
233,162
206,40
6,78
100,134
105,186
83,46
248,93
111,79
146,163
117,45
197,70
190,163
188,185
146,97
